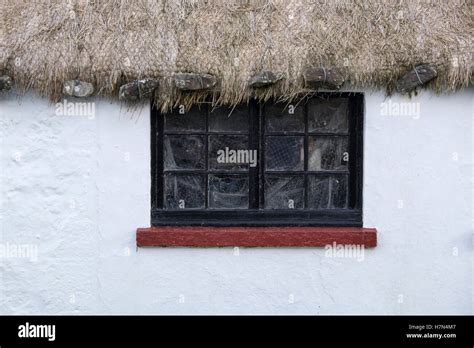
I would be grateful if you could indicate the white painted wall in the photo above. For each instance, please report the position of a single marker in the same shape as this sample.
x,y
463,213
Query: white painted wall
x,y
77,188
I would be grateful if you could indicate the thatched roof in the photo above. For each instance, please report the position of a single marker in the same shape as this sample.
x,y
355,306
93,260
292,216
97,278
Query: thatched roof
x,y
111,42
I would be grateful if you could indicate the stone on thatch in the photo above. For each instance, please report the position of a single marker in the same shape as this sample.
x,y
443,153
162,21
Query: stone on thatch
x,y
139,89
76,88
419,76
194,82
325,78
264,79
5,83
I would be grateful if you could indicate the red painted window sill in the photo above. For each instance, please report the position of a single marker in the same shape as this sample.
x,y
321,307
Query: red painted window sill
x,y
187,236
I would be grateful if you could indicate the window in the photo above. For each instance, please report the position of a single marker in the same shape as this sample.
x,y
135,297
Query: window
x,y
273,164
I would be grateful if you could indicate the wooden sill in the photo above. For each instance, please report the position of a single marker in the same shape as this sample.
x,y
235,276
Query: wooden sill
x,y
188,236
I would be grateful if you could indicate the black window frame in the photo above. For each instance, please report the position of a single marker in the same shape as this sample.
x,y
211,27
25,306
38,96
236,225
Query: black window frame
x,y
259,217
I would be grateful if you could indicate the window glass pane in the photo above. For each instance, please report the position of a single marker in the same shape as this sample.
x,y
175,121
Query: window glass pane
x,y
328,116
284,118
193,120
228,191
327,192
284,192
229,152
184,191
184,152
229,120
327,153
284,153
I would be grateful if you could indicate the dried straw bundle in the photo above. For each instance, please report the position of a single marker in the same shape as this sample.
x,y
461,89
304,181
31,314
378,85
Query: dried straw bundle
x,y
111,42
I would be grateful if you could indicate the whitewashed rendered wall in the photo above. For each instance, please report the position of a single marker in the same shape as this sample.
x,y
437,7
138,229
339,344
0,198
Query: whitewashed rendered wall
x,y
78,187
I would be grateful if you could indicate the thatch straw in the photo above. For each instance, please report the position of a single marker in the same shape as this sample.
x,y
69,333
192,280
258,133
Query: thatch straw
x,y
111,42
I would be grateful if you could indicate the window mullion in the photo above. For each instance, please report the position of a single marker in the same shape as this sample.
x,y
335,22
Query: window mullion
x,y
206,145
305,159
261,155
352,153
254,145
